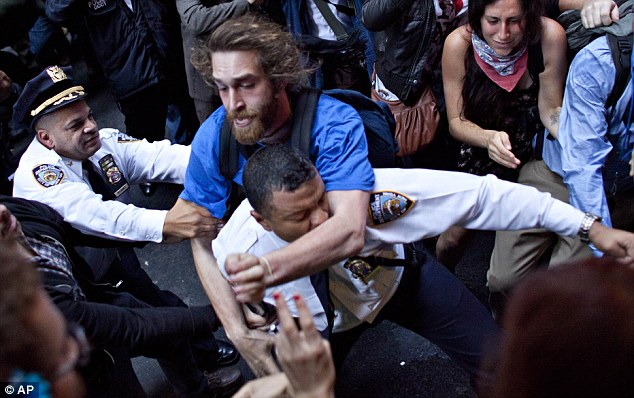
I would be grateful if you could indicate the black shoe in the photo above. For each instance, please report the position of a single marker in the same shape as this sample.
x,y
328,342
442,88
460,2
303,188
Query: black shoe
x,y
224,382
148,188
227,354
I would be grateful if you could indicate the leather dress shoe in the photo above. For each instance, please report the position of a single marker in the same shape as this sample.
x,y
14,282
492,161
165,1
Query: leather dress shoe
x,y
227,354
223,382
148,188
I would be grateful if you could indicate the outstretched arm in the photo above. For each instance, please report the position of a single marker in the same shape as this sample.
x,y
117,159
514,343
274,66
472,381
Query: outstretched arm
x,y
443,199
187,220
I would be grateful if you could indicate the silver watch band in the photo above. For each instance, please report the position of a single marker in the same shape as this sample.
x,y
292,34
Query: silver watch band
x,y
586,223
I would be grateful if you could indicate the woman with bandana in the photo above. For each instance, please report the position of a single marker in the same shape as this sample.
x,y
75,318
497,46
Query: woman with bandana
x,y
503,76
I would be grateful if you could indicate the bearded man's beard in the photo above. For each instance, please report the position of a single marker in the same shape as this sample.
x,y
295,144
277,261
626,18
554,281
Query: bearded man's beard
x,y
261,120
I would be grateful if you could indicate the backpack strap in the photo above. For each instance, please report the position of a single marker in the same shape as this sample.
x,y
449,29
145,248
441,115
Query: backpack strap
x,y
303,117
228,152
535,67
332,20
621,49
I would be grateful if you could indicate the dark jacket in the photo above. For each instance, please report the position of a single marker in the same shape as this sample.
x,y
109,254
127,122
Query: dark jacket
x,y
141,330
296,18
409,27
133,48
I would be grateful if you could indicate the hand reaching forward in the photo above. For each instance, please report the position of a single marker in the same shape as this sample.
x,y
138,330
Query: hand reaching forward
x,y
499,147
187,220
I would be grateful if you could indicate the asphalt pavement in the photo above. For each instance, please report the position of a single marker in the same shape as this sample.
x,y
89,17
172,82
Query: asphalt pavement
x,y
387,361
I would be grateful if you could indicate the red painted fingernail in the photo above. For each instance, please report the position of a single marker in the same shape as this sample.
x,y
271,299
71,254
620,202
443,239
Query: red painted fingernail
x,y
276,295
296,296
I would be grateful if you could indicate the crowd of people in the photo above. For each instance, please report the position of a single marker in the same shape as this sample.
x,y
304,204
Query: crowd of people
x,y
306,229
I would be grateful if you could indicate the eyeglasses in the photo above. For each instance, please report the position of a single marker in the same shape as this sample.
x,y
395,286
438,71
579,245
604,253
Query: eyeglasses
x,y
75,358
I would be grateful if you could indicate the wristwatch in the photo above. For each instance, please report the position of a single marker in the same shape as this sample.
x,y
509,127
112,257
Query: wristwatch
x,y
586,223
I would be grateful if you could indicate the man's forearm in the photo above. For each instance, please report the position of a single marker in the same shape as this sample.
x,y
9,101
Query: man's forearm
x,y
217,288
254,345
340,237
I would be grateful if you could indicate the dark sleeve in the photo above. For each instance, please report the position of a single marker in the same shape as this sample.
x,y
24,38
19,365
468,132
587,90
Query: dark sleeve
x,y
378,15
134,328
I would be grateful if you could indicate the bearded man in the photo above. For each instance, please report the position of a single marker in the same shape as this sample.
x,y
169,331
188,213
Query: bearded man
x,y
255,66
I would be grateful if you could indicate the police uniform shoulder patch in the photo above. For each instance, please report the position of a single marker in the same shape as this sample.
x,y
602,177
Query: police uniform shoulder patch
x,y
123,137
48,175
386,206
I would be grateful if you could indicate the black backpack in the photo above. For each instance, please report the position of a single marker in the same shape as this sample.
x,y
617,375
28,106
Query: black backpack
x,y
378,123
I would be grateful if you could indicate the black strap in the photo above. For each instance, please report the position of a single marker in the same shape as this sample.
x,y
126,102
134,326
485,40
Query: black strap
x,y
96,181
320,284
377,261
305,104
303,117
332,21
230,151
621,49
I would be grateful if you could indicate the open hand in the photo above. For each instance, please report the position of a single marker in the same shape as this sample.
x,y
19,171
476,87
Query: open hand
x,y
499,147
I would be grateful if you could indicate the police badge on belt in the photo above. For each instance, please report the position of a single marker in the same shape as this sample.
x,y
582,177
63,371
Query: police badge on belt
x,y
117,182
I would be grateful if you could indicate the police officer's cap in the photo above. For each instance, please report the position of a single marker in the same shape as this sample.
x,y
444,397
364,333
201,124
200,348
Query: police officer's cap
x,y
47,92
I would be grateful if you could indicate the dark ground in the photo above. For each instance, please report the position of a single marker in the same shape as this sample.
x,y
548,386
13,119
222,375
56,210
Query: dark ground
x,y
388,361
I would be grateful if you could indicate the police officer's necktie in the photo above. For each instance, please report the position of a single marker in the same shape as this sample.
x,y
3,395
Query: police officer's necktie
x,y
96,181
320,284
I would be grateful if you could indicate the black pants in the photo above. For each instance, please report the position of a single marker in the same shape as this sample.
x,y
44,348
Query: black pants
x,y
180,359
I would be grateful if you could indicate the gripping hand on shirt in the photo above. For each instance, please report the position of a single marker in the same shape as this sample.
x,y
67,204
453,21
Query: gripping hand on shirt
x,y
596,13
499,147
187,220
613,242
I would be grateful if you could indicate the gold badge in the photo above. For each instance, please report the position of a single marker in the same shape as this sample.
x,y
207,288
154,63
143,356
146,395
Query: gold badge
x,y
56,74
360,268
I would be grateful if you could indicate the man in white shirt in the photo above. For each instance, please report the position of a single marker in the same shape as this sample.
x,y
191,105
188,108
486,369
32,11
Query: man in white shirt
x,y
84,174
289,200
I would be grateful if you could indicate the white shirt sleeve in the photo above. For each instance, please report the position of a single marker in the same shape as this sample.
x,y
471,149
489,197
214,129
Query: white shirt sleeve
x,y
443,199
